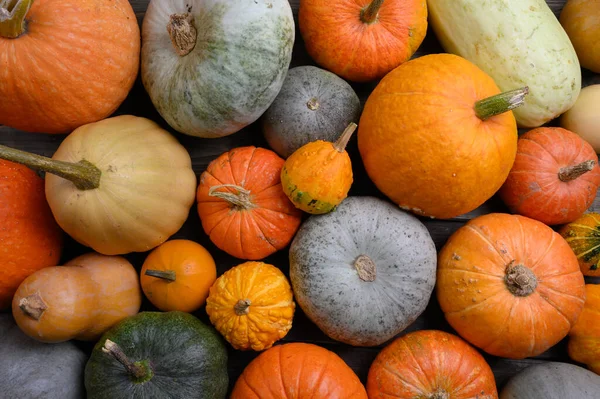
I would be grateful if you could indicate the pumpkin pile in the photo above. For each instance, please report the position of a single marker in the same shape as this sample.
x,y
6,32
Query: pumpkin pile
x,y
334,215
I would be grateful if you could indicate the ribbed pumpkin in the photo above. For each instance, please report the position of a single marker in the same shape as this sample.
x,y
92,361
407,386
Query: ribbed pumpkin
x,y
583,235
365,39
242,205
251,305
509,285
65,63
436,138
584,337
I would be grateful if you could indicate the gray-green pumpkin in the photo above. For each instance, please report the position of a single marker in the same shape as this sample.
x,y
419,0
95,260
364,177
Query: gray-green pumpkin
x,y
212,67
364,272
158,355
313,104
31,369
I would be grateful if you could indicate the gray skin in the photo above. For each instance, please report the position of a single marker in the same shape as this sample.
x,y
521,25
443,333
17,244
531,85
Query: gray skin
x,y
327,285
290,122
553,380
31,369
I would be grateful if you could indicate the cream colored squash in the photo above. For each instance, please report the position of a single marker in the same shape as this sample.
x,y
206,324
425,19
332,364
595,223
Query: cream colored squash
x,y
584,117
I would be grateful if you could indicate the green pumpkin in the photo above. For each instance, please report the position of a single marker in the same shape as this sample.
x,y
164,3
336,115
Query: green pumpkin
x,y
161,355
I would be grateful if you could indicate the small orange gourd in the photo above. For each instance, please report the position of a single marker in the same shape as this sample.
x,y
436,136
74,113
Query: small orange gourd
x,y
584,337
251,305
583,235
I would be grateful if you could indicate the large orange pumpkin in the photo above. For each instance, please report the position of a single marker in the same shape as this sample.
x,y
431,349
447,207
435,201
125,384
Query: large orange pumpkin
x,y
435,138
509,285
362,40
65,63
242,205
584,337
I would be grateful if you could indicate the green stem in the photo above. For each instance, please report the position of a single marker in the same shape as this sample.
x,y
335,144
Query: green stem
x,y
500,103
140,371
83,174
369,15
164,274
342,142
12,17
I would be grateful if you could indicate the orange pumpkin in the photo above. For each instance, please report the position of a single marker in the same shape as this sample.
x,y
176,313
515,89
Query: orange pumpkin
x,y
177,276
362,40
435,135
30,237
581,21
555,176
509,285
583,235
242,205
65,63
251,305
430,364
298,371
584,337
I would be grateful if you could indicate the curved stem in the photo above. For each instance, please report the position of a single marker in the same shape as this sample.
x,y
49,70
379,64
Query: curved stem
x,y
342,142
141,371
83,174
242,307
163,274
369,14
500,103
569,173
183,33
12,17
33,306
241,199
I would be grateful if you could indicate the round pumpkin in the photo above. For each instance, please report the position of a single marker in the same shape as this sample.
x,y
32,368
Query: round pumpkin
x,y
509,285
555,176
430,364
30,237
158,355
313,104
212,68
251,305
583,117
362,40
581,21
31,369
414,130
177,275
363,273
298,371
242,206
110,198
65,63
584,337
583,235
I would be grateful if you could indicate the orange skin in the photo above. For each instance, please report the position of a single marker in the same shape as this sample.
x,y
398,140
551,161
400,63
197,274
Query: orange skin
x,y
337,38
30,237
423,144
581,21
423,363
298,371
473,288
584,337
583,235
74,65
533,187
195,272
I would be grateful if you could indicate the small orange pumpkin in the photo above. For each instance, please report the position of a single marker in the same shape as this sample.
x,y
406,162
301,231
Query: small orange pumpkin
x,y
584,337
583,235
251,305
177,275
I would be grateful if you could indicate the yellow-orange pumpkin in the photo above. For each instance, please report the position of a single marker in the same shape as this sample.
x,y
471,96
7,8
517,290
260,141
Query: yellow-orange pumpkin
x,y
583,235
581,21
584,337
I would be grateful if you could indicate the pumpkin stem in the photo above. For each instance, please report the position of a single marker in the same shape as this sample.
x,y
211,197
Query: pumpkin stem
x,y
569,173
240,200
342,142
366,268
242,307
33,306
313,104
164,274
140,371
439,394
368,15
182,32
500,103
520,280
12,17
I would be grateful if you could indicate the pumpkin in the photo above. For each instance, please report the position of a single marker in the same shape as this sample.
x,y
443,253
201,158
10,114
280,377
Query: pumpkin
x,y
583,118
65,63
242,206
31,369
552,380
110,198
298,371
30,237
251,305
212,68
509,285
430,364
177,275
518,43
362,40
80,300
584,337
414,127
313,104
583,235
554,178
363,273
317,176
581,21
158,355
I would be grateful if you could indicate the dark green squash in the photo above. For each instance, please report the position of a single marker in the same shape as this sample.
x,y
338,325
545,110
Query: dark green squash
x,y
161,355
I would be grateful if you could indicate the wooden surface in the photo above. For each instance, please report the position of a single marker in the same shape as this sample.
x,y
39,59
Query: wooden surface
x,y
203,151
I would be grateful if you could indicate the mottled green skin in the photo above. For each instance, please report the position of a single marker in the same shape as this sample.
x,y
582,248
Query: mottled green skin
x,y
242,54
303,200
188,359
